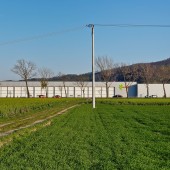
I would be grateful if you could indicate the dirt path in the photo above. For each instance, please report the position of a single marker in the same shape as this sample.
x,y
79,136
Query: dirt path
x,y
36,122
5,124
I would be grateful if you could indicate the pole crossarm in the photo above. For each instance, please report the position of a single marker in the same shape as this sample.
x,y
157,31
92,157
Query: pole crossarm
x,y
90,25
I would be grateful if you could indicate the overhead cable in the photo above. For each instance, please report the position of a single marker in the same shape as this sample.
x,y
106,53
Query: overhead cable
x,y
131,25
50,34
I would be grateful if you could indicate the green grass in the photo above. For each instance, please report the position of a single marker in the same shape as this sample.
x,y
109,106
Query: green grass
x,y
19,112
135,101
108,137
12,108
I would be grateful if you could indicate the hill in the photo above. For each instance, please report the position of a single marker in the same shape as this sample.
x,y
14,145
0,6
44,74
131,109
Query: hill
x,y
163,62
88,76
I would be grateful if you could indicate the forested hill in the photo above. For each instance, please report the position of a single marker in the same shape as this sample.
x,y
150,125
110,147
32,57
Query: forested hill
x,y
163,62
88,76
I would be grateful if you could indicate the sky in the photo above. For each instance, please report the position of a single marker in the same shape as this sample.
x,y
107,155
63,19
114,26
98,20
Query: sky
x,y
53,33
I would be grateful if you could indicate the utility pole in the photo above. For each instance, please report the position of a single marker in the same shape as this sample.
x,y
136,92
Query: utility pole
x,y
93,66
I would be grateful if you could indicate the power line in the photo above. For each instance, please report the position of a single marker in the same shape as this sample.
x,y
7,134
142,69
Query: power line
x,y
50,34
131,25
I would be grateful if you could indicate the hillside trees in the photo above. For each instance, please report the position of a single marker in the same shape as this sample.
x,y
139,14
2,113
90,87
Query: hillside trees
x,y
26,70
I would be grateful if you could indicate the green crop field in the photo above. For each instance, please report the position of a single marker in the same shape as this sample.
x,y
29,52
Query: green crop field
x,y
118,134
11,108
16,113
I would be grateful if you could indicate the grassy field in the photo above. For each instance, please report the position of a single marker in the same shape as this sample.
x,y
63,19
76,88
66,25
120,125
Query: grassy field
x,y
12,108
126,135
19,112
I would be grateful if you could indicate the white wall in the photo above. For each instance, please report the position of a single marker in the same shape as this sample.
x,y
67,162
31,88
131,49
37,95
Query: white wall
x,y
154,89
18,89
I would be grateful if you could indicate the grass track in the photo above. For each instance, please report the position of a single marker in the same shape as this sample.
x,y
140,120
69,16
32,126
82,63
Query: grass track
x,y
35,109
109,137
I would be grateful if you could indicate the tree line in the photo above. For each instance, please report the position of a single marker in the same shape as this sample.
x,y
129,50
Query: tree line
x,y
141,73
107,71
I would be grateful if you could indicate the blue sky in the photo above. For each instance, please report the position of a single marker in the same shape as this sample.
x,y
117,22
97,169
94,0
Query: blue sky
x,y
70,52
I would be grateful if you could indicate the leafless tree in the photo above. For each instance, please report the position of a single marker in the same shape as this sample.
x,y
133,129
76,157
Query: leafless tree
x,y
64,79
106,67
60,89
26,70
163,74
129,74
147,74
45,75
82,83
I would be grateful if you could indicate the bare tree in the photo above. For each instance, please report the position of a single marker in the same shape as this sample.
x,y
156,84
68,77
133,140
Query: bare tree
x,y
129,75
45,75
163,74
147,74
60,89
64,79
25,69
82,83
106,67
